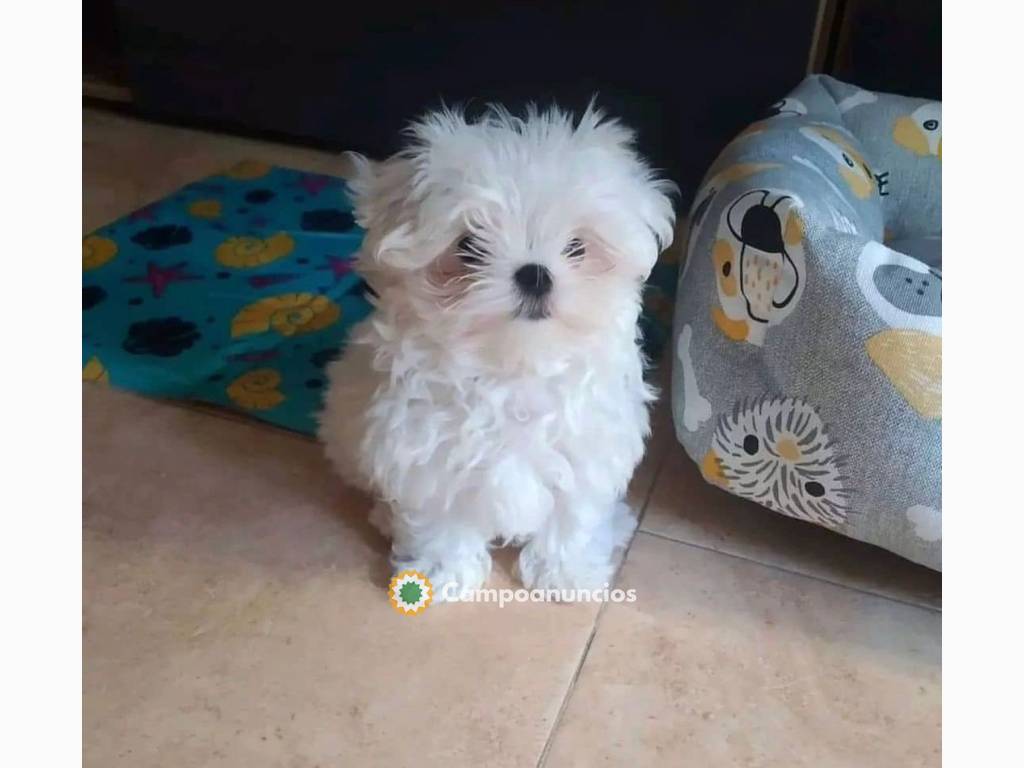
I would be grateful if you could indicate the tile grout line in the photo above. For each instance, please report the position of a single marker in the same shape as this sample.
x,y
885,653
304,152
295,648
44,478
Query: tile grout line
x,y
779,568
570,689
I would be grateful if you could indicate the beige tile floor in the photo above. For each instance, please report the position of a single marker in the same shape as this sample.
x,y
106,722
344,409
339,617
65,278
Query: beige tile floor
x,y
234,608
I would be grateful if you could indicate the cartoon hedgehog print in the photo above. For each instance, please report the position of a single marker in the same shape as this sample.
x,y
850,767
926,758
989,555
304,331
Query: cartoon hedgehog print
x,y
777,452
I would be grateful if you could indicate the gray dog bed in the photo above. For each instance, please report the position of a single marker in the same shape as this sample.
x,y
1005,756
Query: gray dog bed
x,y
808,322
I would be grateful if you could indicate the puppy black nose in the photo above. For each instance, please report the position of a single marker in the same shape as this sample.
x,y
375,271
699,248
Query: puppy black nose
x,y
534,280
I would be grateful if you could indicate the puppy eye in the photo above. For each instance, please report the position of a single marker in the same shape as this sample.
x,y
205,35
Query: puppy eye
x,y
470,250
574,249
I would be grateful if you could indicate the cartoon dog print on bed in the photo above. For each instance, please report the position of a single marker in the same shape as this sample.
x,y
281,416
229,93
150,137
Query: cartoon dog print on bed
x,y
852,167
759,265
777,452
921,130
906,295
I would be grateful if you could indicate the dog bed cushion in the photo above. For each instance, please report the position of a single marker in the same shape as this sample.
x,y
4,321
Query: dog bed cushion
x,y
808,322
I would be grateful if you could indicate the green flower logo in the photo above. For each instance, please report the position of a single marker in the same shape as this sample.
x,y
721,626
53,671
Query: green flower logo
x,y
410,592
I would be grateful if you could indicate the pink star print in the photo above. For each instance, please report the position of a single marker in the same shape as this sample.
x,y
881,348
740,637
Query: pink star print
x,y
338,267
313,183
160,277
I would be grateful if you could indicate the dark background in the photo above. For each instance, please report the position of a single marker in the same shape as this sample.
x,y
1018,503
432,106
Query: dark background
x,y
687,75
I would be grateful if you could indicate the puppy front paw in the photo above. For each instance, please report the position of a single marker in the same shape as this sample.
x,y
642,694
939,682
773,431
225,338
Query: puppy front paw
x,y
582,564
539,570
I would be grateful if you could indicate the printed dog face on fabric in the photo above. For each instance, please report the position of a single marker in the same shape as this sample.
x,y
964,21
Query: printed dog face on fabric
x,y
759,264
777,452
852,167
921,130
906,294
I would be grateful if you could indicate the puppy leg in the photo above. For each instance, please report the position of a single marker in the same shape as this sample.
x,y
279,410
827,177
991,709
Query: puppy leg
x,y
443,552
575,548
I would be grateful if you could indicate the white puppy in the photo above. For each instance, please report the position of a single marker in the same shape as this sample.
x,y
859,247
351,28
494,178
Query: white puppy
x,y
497,394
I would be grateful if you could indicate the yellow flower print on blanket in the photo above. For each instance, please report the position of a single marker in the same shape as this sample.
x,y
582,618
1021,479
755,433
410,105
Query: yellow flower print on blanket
x,y
288,314
205,209
97,251
257,390
246,252
95,371
247,170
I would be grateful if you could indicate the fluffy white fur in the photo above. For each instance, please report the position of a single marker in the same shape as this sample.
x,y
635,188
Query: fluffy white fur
x,y
474,424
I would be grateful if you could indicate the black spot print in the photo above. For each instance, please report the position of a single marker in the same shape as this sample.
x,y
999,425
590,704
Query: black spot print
x,y
324,356
314,383
243,210
751,444
216,377
328,220
259,196
847,160
165,236
762,229
815,489
161,336
135,302
302,261
727,269
223,275
91,296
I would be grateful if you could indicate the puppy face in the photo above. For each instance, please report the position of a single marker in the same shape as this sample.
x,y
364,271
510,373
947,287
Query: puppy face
x,y
513,238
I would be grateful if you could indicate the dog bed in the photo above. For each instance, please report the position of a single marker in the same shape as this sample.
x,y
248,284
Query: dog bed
x,y
808,321
237,291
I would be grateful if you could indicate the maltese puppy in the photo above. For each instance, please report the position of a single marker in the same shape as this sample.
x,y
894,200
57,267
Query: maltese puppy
x,y
496,395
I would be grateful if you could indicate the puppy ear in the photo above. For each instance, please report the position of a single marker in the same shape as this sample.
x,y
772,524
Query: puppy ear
x,y
380,195
644,197
656,209
378,188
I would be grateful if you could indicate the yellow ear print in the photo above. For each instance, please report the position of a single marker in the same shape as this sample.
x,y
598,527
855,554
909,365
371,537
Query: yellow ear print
x,y
908,134
742,170
857,182
725,268
794,231
711,468
912,361
940,149
736,330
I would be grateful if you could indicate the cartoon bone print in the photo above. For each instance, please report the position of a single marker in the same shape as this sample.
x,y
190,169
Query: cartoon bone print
x,y
759,264
696,408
